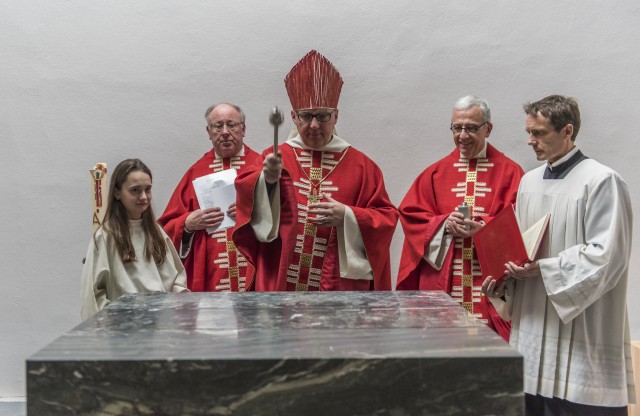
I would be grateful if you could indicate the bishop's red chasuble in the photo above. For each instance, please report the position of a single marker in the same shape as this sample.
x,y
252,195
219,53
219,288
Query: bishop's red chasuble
x,y
487,185
213,263
305,257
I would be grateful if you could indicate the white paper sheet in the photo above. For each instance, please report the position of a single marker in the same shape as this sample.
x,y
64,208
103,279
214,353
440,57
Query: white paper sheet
x,y
217,190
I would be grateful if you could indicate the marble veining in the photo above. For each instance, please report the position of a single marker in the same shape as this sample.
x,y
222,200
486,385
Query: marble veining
x,y
279,353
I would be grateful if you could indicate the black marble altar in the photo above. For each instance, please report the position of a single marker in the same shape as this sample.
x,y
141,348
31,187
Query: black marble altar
x,y
284,353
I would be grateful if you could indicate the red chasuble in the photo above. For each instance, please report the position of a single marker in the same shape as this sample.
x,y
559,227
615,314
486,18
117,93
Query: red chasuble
x,y
213,263
487,185
305,257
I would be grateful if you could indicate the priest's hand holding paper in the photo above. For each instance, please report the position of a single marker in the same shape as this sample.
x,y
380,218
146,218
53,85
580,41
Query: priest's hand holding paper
x,y
231,211
526,271
459,226
272,168
201,219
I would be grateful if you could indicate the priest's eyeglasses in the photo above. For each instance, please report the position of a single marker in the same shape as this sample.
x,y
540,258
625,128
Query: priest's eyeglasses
x,y
470,128
322,117
231,126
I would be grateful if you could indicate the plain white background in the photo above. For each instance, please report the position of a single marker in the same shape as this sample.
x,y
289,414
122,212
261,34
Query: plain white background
x,y
85,82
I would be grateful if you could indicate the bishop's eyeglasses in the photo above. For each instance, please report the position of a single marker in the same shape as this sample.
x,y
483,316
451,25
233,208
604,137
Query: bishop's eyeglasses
x,y
469,128
231,126
322,117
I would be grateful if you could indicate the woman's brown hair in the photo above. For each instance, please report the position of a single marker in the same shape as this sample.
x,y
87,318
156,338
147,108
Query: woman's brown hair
x,y
116,221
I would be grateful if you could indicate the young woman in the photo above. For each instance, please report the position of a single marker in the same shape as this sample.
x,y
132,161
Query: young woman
x,y
129,253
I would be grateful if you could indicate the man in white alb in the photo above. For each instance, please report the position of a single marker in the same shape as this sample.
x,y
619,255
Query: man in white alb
x,y
568,309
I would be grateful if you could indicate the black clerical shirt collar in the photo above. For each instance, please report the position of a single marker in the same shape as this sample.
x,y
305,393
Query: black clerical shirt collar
x,y
561,168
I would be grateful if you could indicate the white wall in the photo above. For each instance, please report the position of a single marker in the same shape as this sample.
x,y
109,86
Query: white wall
x,y
84,82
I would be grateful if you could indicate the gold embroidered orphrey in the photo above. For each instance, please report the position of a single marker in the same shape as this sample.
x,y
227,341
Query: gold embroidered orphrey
x,y
467,276
305,271
228,256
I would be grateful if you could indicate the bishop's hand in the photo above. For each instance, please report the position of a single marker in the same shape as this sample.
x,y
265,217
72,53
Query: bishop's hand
x,y
328,213
272,168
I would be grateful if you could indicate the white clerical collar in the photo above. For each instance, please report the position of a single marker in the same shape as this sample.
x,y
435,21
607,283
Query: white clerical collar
x,y
563,158
240,153
336,144
482,154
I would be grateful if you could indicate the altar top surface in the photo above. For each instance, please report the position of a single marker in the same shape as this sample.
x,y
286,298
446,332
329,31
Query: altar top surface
x,y
278,325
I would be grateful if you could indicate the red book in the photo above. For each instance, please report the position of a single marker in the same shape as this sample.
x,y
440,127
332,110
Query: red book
x,y
501,241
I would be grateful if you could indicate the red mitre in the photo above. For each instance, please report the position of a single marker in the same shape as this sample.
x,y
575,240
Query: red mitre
x,y
313,83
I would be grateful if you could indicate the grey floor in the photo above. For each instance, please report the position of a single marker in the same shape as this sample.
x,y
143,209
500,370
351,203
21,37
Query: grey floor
x,y
13,408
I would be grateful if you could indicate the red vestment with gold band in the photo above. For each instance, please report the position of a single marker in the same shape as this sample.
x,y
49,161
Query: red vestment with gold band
x,y
213,263
487,185
305,257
